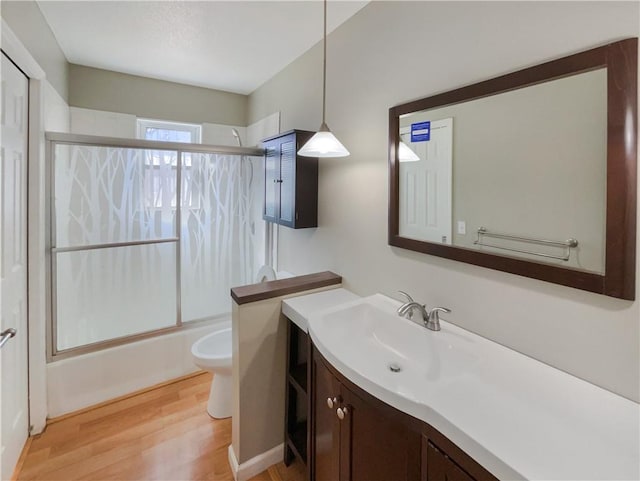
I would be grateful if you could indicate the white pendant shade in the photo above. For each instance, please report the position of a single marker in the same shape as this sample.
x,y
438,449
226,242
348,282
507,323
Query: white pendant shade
x,y
405,154
323,144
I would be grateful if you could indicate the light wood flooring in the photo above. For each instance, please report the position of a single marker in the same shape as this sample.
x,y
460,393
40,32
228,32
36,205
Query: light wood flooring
x,y
163,434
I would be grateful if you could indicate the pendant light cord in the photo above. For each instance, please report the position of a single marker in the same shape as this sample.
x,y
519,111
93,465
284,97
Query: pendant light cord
x,y
324,66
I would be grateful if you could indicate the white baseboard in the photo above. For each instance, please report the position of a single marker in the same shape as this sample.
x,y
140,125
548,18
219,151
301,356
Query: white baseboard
x,y
257,464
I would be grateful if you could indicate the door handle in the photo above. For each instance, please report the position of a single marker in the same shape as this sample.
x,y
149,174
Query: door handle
x,y
6,335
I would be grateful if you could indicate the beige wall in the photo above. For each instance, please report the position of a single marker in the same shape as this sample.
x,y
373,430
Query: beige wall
x,y
27,22
393,52
97,89
259,347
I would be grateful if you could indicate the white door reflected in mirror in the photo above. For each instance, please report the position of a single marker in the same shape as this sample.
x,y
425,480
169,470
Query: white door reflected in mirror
x,y
426,184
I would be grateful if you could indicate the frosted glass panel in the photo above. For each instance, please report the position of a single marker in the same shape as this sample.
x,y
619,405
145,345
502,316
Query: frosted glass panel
x,y
108,293
113,194
218,232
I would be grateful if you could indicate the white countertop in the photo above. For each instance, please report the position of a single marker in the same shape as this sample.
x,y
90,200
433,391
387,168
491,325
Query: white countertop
x,y
516,416
298,309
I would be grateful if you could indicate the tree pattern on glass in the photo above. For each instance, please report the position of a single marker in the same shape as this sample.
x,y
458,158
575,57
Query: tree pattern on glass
x,y
109,195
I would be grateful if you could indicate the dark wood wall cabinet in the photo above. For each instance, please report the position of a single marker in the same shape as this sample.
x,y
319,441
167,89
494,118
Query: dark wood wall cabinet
x,y
290,181
356,437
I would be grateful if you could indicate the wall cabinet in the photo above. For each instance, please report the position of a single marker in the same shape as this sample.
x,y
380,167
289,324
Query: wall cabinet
x,y
290,181
357,437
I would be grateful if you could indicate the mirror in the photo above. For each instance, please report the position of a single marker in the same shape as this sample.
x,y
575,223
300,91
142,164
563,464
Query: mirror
x,y
532,173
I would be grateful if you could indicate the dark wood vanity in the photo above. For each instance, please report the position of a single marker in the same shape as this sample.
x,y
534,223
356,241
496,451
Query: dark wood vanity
x,y
360,438
342,433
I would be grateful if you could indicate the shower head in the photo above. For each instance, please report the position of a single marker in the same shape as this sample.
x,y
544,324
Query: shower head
x,y
237,136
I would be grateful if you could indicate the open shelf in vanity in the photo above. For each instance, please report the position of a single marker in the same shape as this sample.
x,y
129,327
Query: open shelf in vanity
x,y
297,405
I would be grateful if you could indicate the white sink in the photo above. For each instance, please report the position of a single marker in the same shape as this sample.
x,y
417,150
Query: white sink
x,y
372,340
494,403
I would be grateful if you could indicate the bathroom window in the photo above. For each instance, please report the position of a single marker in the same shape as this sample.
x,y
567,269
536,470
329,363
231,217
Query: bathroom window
x,y
161,164
164,131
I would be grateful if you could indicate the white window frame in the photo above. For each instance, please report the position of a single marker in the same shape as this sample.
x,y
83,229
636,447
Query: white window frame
x,y
195,129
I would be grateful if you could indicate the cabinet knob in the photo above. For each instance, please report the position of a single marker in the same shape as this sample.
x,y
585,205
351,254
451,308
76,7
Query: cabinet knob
x,y
332,401
342,412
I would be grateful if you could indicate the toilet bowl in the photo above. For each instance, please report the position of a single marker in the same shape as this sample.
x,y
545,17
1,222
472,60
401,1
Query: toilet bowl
x,y
213,353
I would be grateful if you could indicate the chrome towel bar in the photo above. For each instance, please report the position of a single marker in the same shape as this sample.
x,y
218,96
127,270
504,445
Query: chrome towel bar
x,y
566,245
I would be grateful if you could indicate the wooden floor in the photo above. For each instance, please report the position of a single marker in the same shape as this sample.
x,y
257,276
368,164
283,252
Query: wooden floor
x,y
164,434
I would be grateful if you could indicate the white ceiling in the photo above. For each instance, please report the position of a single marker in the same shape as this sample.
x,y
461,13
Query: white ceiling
x,y
228,45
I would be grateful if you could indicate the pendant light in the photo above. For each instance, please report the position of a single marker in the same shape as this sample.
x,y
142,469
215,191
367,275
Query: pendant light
x,y
405,154
324,143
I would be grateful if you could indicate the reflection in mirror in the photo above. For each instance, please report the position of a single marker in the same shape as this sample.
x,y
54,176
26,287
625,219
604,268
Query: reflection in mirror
x,y
532,172
528,163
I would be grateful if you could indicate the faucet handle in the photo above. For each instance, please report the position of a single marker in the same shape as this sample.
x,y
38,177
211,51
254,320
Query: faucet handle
x,y
409,298
433,322
436,310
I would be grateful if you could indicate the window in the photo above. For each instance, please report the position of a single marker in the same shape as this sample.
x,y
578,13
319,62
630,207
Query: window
x,y
169,131
161,163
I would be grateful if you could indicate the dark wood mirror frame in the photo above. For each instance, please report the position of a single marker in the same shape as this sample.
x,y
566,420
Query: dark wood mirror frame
x,y
621,61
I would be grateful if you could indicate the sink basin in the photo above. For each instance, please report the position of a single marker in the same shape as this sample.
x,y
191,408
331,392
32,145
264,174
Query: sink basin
x,y
373,341
494,403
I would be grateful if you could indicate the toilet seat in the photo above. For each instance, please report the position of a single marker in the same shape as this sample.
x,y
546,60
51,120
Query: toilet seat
x,y
213,350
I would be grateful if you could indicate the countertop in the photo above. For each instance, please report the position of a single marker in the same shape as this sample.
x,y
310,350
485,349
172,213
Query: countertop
x,y
518,417
300,308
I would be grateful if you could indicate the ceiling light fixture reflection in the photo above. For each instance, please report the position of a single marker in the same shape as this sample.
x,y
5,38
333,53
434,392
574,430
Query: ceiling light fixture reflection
x,y
405,154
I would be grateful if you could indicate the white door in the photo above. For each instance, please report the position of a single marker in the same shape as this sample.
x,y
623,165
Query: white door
x,y
14,427
426,185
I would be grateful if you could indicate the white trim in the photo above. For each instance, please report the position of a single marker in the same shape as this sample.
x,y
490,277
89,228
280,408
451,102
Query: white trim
x,y
256,465
36,261
19,54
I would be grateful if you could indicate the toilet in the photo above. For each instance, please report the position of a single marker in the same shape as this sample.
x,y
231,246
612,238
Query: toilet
x,y
213,353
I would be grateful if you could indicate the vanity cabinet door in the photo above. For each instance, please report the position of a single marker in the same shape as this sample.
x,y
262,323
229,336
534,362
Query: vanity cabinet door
x,y
377,446
362,442
325,462
439,467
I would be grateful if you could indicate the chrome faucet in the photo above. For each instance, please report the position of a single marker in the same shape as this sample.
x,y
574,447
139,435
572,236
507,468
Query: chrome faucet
x,y
407,309
430,319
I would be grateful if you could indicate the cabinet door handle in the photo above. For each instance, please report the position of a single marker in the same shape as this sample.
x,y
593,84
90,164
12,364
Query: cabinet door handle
x,y
6,335
342,412
333,401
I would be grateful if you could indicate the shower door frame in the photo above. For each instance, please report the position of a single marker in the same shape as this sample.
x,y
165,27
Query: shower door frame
x,y
55,138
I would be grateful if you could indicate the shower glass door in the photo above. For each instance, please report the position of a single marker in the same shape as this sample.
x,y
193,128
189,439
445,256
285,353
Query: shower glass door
x,y
120,265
